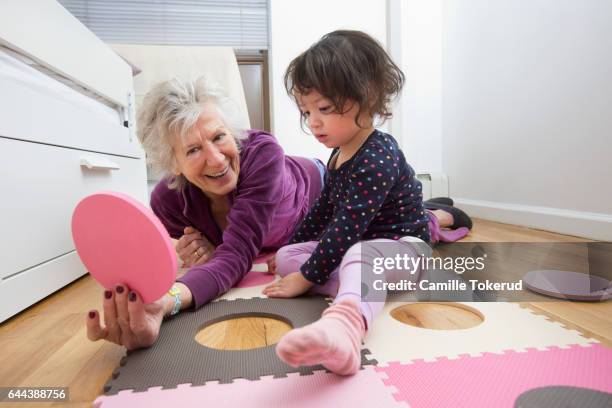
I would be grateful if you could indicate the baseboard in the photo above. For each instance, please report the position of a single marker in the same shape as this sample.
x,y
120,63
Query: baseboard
x,y
581,224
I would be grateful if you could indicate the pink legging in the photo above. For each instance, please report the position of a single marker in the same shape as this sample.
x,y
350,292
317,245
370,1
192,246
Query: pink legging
x,y
346,280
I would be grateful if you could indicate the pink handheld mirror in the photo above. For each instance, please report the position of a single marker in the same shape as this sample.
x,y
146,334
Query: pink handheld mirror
x,y
121,241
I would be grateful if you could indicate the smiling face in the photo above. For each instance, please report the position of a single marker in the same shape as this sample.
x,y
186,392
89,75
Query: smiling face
x,y
329,127
207,156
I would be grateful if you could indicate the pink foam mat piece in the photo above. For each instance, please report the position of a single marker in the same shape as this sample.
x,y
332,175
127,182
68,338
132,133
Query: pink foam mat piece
x,y
257,277
497,380
254,278
321,389
121,241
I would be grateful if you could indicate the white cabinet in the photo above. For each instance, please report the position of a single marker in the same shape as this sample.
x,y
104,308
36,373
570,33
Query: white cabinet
x,y
64,99
41,185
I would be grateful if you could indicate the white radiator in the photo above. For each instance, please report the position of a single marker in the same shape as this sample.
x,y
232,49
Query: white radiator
x,y
434,185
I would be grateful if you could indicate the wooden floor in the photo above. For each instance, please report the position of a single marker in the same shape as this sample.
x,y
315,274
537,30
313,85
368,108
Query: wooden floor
x,y
46,345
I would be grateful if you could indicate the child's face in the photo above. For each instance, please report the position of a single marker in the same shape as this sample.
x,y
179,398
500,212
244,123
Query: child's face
x,y
328,126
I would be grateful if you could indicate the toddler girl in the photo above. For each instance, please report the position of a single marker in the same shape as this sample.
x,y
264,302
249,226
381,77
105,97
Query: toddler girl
x,y
371,204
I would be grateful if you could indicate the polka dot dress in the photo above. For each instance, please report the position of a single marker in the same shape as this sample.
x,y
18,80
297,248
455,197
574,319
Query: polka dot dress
x,y
373,195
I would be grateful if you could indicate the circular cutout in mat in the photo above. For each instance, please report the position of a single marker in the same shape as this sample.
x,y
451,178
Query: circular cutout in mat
x,y
243,333
438,316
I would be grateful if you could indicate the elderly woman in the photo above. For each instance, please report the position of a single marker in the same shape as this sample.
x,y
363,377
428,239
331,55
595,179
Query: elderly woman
x,y
228,194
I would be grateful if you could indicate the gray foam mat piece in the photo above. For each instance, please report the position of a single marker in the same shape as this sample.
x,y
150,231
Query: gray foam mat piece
x,y
176,358
554,397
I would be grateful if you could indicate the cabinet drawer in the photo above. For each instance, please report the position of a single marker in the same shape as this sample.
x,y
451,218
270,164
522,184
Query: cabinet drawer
x,y
41,186
36,108
27,288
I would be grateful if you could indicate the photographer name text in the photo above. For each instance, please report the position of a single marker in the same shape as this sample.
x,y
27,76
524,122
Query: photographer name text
x,y
450,285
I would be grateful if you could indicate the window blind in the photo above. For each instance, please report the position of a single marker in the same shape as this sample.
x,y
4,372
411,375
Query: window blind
x,y
242,24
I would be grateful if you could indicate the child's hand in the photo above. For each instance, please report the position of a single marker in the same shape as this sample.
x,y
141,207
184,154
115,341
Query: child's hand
x,y
290,286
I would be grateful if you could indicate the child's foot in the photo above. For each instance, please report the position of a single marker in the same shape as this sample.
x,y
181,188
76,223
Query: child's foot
x,y
444,218
333,341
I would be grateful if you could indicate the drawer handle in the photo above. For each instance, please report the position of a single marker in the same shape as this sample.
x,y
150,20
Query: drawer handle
x,y
99,164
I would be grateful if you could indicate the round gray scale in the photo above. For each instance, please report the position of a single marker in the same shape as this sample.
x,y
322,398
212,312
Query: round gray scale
x,y
594,286
569,285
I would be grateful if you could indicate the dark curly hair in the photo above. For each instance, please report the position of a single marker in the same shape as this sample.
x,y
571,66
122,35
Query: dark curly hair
x,y
347,65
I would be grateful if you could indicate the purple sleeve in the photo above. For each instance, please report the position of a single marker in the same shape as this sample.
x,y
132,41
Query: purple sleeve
x,y
260,185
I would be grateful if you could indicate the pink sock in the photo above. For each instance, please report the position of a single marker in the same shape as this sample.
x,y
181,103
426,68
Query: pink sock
x,y
333,341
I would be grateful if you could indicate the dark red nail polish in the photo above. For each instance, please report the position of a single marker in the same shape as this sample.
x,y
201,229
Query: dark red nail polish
x,y
132,296
92,314
119,289
108,294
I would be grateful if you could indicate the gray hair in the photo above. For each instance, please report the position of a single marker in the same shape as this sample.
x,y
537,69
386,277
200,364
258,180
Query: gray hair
x,y
171,109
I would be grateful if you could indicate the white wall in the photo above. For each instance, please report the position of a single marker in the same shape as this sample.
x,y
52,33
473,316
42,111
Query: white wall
x,y
511,99
294,26
527,111
415,31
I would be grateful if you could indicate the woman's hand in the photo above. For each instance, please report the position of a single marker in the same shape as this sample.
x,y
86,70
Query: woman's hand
x,y
193,248
127,321
290,286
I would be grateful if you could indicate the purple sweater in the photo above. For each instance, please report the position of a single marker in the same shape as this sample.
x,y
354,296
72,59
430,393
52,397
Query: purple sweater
x,y
274,192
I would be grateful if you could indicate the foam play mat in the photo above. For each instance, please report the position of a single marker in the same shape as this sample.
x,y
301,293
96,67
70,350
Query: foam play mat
x,y
176,358
121,241
509,357
366,389
498,380
505,326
